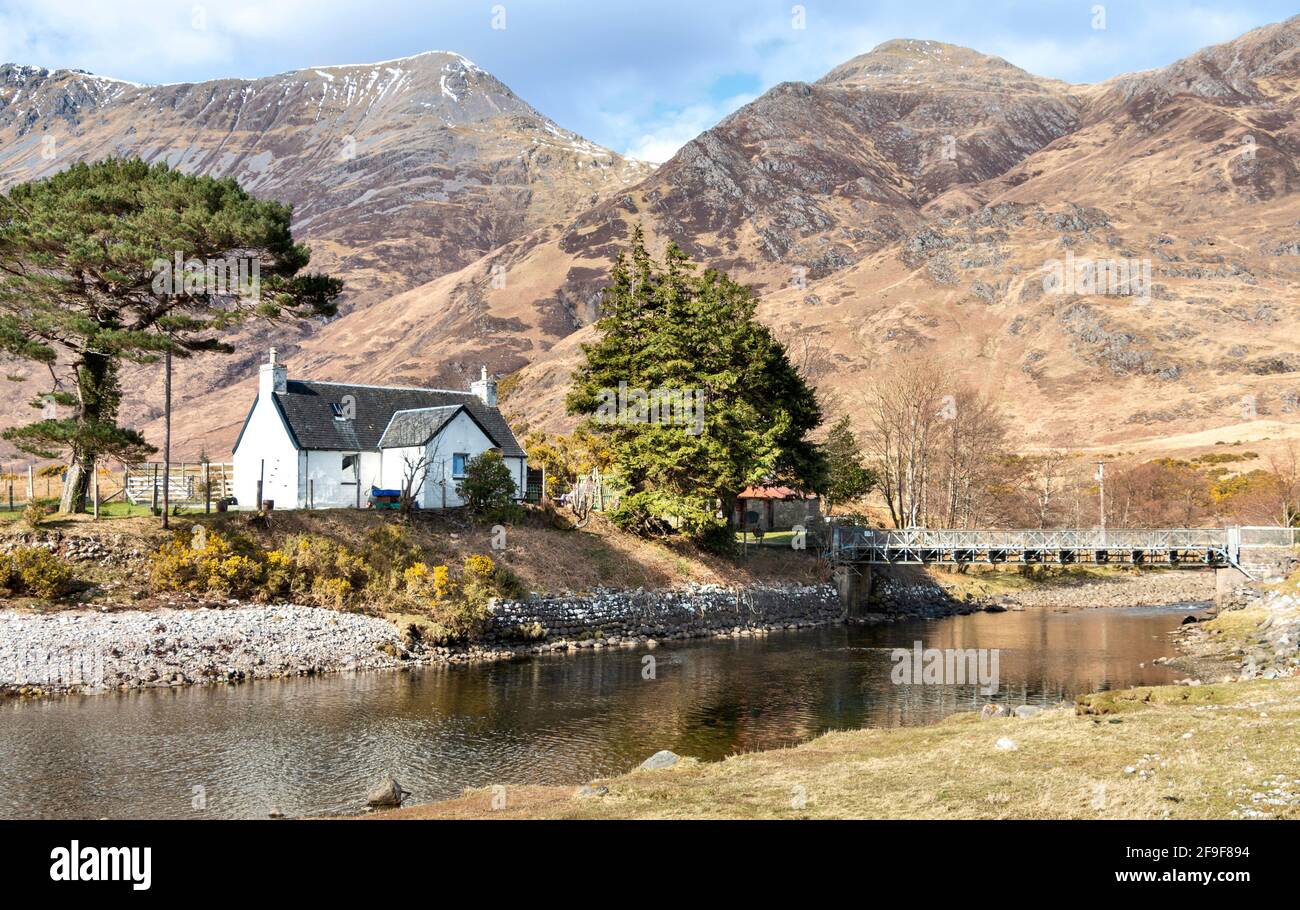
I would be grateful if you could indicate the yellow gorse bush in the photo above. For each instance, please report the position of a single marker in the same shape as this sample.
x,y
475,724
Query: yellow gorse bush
x,y
35,571
480,566
311,568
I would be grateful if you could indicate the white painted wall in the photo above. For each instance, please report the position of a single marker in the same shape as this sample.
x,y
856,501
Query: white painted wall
x,y
287,470
266,450
462,435
331,486
519,470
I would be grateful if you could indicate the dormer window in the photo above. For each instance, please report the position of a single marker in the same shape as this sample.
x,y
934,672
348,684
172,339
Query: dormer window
x,y
337,408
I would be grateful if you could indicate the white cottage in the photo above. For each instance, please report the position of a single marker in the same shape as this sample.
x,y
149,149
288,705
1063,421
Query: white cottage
x,y
325,445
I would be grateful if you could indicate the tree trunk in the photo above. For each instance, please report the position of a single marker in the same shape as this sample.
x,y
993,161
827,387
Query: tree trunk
x,y
97,402
76,487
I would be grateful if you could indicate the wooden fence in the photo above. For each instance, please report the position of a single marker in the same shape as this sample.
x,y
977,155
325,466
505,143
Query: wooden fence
x,y
189,483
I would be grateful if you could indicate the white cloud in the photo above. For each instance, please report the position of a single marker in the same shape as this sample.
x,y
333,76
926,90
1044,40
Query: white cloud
x,y
147,40
632,76
667,133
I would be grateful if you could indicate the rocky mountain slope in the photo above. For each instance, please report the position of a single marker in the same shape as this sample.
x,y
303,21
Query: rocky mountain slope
x,y
911,203
398,172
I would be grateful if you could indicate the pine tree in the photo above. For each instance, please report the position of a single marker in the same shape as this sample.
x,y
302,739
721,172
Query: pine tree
x,y
88,283
847,478
665,327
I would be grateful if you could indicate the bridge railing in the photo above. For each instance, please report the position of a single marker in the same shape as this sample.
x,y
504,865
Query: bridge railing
x,y
1158,539
1270,537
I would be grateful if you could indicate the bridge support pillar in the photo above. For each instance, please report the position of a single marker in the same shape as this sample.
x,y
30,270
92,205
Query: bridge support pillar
x,y
853,581
1227,580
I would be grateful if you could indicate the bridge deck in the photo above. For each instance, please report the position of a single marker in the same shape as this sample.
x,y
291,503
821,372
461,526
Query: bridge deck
x,y
1156,546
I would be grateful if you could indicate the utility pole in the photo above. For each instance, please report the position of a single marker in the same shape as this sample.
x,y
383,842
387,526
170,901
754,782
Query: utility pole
x,y
167,436
1101,498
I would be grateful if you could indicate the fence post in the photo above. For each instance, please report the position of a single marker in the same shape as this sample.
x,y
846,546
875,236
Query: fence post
x,y
94,485
207,488
31,486
154,504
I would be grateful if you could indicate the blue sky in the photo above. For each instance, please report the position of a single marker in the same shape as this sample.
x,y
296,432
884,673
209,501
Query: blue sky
x,y
639,77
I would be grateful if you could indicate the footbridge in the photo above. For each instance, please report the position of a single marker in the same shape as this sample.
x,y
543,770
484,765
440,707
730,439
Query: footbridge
x,y
1180,547
1241,552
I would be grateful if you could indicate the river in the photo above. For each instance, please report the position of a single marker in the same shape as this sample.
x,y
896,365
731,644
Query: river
x,y
313,746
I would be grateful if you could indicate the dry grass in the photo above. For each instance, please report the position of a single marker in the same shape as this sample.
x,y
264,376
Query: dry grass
x,y
1221,751
545,559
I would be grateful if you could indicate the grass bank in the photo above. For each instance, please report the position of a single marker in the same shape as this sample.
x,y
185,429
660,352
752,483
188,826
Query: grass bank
x,y
1216,751
110,557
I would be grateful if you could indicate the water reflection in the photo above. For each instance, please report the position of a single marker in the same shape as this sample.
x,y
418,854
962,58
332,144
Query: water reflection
x,y
313,745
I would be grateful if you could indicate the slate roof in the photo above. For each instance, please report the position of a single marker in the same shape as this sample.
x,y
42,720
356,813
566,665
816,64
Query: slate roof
x,y
306,407
415,428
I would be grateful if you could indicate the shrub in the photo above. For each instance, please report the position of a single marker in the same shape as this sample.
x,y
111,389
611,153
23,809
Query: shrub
x,y
332,592
35,571
458,603
209,562
657,514
35,514
488,489
389,550
238,576
321,570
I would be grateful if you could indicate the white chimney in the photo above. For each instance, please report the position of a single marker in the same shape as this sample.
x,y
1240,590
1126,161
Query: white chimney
x,y
485,388
272,377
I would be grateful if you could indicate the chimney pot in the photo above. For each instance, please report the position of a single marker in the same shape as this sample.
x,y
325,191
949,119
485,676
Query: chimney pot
x,y
273,377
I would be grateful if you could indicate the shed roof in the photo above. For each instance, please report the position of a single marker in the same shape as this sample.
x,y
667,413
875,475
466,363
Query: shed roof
x,y
773,492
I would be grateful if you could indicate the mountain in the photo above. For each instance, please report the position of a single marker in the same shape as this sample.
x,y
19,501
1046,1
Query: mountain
x,y
398,172
908,204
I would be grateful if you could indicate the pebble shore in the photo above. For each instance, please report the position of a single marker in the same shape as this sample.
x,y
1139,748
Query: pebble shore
x,y
89,652
96,652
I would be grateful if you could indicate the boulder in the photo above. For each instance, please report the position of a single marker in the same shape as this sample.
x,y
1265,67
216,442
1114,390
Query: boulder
x,y
661,759
1005,744
1028,711
387,794
988,712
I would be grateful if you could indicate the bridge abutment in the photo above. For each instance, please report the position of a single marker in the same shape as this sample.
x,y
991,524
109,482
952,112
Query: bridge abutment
x,y
853,582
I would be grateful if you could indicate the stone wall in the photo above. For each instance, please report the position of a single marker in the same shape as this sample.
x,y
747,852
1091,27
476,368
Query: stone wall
x,y
615,617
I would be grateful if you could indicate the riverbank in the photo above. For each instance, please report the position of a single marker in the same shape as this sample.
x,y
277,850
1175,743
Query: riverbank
x,y
190,641
116,632
1220,751
1199,749
110,560
938,591
87,652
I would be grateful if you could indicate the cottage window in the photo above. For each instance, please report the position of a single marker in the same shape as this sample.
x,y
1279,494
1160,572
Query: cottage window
x,y
458,464
349,462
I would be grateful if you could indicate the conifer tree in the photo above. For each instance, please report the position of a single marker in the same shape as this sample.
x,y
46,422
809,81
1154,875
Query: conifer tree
x,y
88,282
847,478
665,328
